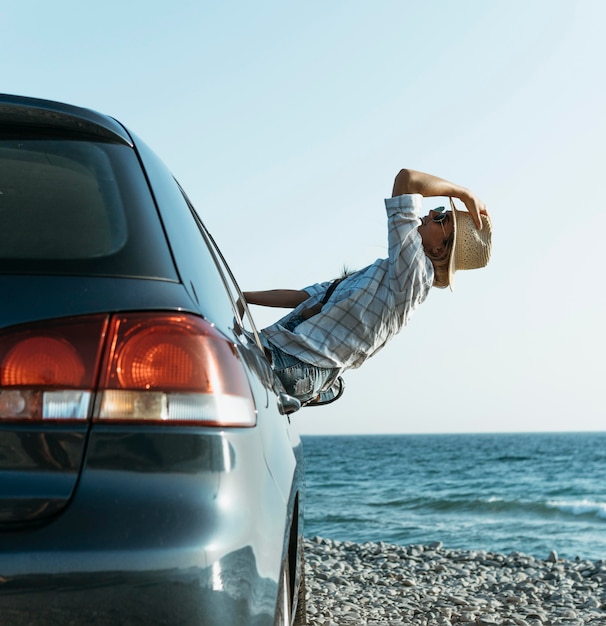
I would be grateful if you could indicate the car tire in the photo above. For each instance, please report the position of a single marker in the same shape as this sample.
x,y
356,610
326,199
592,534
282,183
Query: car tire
x,y
301,612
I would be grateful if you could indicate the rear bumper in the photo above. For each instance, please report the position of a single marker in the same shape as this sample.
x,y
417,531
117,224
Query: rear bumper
x,y
183,528
144,598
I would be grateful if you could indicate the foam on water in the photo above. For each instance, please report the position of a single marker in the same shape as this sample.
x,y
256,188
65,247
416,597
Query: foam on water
x,y
580,507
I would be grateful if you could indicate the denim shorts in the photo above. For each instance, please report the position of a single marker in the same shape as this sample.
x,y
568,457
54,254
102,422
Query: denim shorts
x,y
301,380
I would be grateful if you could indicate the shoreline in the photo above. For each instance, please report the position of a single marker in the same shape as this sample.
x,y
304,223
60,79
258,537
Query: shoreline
x,y
378,583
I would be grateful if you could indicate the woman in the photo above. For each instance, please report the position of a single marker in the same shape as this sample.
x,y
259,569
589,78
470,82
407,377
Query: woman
x,y
337,326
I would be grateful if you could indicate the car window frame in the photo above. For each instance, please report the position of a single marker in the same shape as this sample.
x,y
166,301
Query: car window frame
x,y
239,305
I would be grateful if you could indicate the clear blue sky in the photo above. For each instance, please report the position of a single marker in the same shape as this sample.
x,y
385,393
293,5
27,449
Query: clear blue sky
x,y
286,123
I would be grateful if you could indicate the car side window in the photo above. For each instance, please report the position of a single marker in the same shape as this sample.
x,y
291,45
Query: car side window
x,y
243,322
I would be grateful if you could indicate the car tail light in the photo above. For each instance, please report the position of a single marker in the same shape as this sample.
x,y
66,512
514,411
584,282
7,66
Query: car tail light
x,y
174,368
141,367
48,371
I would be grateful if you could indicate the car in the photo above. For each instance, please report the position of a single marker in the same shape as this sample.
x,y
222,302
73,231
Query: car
x,y
149,473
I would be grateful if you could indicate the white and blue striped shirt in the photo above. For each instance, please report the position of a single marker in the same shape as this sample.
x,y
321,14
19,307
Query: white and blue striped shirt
x,y
368,307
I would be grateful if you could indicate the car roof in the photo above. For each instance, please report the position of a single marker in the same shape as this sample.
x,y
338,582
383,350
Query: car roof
x,y
21,111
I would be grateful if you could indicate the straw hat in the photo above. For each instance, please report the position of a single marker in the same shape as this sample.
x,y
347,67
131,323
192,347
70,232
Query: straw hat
x,y
471,247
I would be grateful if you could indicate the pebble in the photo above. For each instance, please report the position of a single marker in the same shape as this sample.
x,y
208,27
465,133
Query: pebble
x,y
351,584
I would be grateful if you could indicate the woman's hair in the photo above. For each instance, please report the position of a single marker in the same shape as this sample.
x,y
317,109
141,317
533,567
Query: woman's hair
x,y
440,264
346,272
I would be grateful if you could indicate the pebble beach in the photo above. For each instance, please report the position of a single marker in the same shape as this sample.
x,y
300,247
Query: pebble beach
x,y
427,585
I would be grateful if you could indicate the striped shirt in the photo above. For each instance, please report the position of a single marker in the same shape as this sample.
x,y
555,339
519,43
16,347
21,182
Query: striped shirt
x,y
368,307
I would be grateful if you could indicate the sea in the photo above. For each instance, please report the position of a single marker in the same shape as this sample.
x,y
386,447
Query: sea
x,y
528,493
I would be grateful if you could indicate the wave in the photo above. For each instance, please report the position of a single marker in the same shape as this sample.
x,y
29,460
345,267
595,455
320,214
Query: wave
x,y
498,506
580,507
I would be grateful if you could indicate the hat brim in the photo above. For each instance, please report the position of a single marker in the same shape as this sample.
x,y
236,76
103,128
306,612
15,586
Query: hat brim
x,y
451,263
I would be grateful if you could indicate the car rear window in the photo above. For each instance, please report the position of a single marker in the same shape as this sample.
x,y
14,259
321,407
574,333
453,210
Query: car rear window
x,y
71,206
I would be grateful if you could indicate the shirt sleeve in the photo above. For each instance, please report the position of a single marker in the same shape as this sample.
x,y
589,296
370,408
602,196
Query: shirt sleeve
x,y
317,289
407,204
408,263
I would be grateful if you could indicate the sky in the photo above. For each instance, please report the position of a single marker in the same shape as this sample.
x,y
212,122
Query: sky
x,y
286,123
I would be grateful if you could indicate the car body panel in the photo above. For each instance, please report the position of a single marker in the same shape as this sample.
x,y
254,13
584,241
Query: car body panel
x,y
35,298
38,470
147,502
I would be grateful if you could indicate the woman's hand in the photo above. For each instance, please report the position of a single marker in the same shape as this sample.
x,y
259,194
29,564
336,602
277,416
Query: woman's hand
x,y
474,206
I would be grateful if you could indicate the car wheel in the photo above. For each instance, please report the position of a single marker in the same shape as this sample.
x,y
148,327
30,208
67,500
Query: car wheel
x,y
301,612
283,609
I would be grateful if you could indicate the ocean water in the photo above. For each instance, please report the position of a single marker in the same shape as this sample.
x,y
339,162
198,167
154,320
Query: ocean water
x,y
531,493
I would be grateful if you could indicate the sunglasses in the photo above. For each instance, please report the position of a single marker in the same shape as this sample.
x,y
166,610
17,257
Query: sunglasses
x,y
440,218
441,214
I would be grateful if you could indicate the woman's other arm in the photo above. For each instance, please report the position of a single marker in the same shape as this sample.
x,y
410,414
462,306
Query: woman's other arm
x,y
283,298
